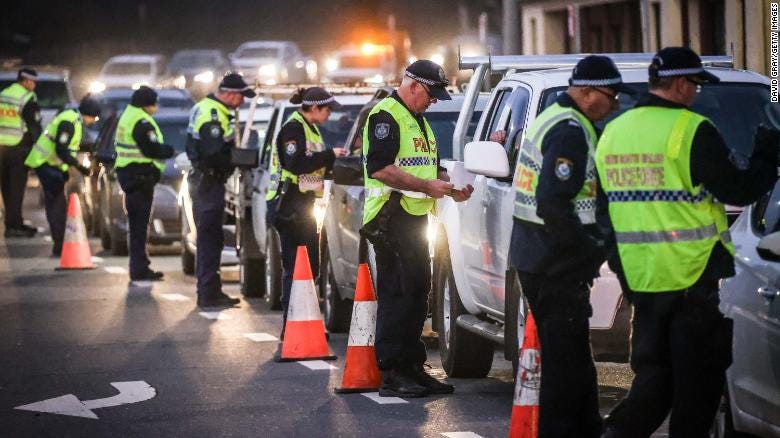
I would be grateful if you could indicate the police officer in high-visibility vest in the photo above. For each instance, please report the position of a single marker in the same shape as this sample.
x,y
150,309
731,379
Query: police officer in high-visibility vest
x,y
211,136
666,172
52,155
301,160
556,246
403,179
140,158
20,126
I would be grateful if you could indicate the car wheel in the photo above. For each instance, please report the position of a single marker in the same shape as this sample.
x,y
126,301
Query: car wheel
x,y
336,311
118,241
97,223
273,270
463,354
252,277
105,235
723,425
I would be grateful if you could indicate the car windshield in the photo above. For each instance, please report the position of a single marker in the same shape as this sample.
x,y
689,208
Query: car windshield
x,y
51,94
336,128
258,52
128,68
189,60
735,109
443,126
174,132
360,61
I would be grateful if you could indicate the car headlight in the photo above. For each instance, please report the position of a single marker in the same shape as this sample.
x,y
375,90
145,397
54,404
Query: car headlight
x,y
97,87
205,77
180,82
267,70
331,64
86,162
376,79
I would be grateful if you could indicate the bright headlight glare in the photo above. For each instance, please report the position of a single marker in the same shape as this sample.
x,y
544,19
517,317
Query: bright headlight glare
x,y
97,87
319,212
267,70
438,58
331,64
205,77
86,162
180,82
376,79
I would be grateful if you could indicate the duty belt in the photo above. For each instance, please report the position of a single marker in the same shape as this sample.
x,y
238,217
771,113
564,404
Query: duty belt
x,y
374,192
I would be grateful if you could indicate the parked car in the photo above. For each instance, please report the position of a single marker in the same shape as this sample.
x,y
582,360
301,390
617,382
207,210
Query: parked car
x,y
130,71
198,70
340,236
165,222
271,62
751,399
478,302
369,63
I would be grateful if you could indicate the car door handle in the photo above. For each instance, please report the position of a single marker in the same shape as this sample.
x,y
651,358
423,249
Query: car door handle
x,y
768,292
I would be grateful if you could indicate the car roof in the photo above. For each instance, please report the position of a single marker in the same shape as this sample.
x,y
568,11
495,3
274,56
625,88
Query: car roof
x,y
140,57
344,99
161,92
172,114
264,43
456,103
560,76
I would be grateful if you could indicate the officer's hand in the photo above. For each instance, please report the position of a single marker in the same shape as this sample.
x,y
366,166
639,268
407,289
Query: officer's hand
x,y
437,188
462,194
498,136
444,176
84,170
339,152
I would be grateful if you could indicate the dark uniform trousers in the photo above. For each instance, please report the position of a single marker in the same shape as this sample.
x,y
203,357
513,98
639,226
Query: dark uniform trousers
x,y
403,268
208,205
680,350
13,181
139,197
568,397
53,182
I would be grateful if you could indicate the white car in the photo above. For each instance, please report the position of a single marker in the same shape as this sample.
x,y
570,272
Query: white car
x,y
271,62
130,71
478,303
369,63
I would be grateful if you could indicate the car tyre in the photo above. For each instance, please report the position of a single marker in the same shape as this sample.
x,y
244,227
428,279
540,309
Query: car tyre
x,y
273,270
252,277
336,311
118,241
105,235
463,354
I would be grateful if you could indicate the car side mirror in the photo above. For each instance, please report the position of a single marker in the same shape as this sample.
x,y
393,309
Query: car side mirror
x,y
348,171
244,158
486,158
768,247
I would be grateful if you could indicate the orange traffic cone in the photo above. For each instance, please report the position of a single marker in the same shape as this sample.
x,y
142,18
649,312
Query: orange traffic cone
x,y
304,332
75,249
361,373
525,412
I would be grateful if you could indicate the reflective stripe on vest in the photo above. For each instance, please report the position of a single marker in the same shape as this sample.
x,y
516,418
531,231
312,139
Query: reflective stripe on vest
x,y
127,151
308,182
45,148
416,156
12,101
665,226
530,165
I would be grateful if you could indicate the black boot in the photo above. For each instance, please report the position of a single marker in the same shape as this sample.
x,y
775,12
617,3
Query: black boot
x,y
396,383
431,383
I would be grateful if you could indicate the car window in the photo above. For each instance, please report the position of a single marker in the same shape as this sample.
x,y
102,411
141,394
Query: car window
x,y
128,68
175,133
335,130
51,94
500,113
766,213
265,156
259,52
443,126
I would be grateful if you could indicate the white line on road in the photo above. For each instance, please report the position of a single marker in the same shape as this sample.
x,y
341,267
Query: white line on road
x,y
115,270
461,435
384,400
261,337
174,297
214,315
316,365
96,259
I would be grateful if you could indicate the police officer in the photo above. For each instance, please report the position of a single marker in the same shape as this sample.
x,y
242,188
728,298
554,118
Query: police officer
x,y
140,159
52,155
211,136
402,181
302,162
20,126
556,246
666,172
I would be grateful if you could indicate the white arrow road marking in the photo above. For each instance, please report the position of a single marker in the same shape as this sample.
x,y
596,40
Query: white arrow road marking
x,y
69,404
461,435
261,337
174,297
214,315
384,400
316,365
96,259
115,270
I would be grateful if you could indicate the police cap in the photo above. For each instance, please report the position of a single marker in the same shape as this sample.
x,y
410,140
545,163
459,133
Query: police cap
x,y
432,75
235,82
598,71
26,73
318,96
89,106
679,61
143,96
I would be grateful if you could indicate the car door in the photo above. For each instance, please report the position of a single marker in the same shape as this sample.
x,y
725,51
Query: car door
x,y
752,299
261,178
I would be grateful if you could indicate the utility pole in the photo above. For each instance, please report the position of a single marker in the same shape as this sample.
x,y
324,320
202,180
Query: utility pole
x,y
511,26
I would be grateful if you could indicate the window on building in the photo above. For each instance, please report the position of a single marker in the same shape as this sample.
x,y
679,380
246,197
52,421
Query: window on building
x,y
712,27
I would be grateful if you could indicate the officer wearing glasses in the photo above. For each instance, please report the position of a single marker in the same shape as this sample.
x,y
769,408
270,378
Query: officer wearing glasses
x,y
556,245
